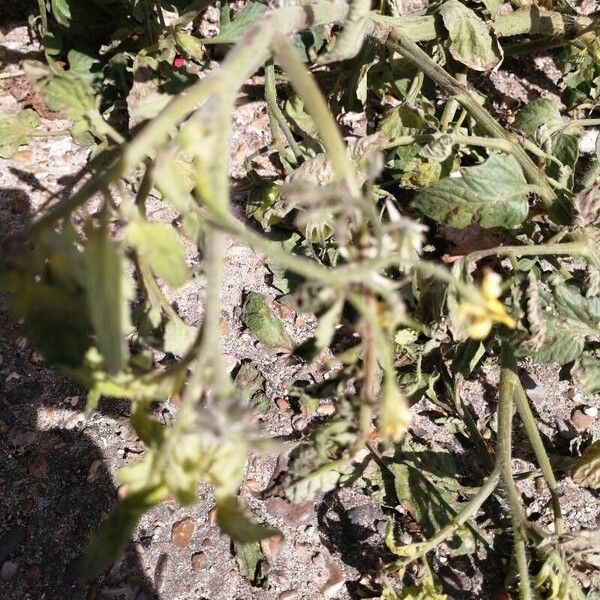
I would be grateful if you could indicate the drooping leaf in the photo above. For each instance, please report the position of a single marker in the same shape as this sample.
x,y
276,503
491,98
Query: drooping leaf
x,y
493,194
232,31
470,40
263,323
234,523
586,470
159,246
16,130
106,296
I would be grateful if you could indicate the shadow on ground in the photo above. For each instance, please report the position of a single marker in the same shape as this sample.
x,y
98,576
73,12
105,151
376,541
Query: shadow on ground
x,y
54,486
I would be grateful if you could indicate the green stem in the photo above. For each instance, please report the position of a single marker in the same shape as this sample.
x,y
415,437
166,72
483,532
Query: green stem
x,y
503,453
276,114
535,439
304,83
43,16
568,248
520,554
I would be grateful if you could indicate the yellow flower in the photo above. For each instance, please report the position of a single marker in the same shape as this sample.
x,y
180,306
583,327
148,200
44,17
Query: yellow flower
x,y
480,317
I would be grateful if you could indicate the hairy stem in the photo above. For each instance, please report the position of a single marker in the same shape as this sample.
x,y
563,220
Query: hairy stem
x,y
304,83
537,444
276,115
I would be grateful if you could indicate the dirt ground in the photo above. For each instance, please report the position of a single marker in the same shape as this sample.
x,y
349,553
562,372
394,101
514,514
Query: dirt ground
x,y
57,467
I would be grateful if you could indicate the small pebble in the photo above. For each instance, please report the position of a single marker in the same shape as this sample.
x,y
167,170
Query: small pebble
x,y
580,419
160,571
271,546
182,532
198,560
9,569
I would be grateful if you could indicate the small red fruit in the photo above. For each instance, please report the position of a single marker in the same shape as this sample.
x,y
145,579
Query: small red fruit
x,y
179,62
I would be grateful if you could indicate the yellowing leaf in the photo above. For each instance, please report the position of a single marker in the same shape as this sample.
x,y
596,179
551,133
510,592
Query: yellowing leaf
x,y
106,297
15,131
159,246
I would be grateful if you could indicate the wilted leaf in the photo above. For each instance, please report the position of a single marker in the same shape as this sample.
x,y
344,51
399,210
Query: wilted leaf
x,y
106,296
493,194
16,130
317,464
470,39
425,483
586,470
263,323
234,523
159,246
249,380
232,31
581,311
70,94
324,333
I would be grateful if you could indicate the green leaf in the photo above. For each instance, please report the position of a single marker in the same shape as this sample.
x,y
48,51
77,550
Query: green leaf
x,y
16,130
586,372
584,313
233,31
189,45
159,246
61,12
540,112
179,337
106,297
70,94
263,323
234,523
560,345
425,480
493,194
251,562
470,39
